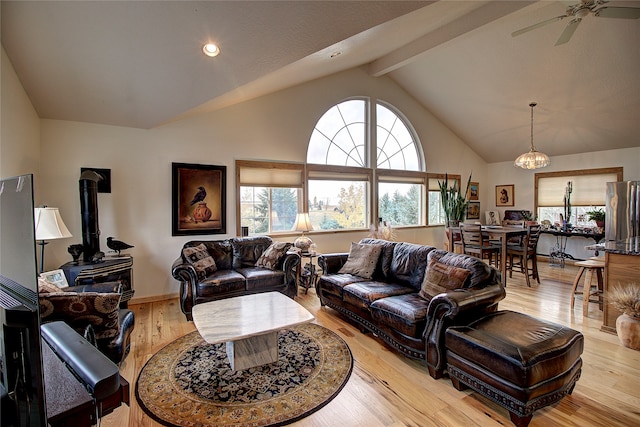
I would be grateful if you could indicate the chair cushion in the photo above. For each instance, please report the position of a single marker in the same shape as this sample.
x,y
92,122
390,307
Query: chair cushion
x,y
271,257
78,309
202,261
441,278
362,260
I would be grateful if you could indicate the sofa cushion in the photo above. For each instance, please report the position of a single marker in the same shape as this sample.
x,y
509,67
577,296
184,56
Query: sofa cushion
x,y
362,260
247,250
221,282
335,283
362,294
200,259
481,273
409,264
46,287
406,314
261,278
440,278
383,268
273,255
79,309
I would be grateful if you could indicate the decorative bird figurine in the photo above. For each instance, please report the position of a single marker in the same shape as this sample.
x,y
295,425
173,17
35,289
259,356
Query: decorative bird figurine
x,y
200,195
117,245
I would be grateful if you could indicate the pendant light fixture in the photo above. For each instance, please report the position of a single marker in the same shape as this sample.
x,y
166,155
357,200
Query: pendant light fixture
x,y
533,159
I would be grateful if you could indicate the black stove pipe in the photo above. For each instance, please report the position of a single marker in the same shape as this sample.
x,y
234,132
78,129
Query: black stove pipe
x,y
89,213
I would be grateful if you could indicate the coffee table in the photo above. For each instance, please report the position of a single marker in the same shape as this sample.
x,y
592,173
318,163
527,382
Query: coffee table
x,y
249,325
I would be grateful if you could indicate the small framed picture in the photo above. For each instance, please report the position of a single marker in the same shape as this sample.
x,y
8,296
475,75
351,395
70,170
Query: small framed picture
x,y
473,210
56,277
474,191
492,217
504,195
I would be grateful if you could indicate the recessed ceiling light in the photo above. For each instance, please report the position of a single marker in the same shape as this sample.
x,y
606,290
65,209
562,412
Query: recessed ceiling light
x,y
336,53
210,49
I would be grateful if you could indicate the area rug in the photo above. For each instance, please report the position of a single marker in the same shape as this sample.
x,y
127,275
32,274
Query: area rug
x,y
190,383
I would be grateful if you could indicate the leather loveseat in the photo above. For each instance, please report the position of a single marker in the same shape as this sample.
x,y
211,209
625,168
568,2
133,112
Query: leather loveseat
x,y
210,270
395,304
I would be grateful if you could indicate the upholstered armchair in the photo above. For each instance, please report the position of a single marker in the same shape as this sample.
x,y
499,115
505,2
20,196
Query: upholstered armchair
x,y
94,312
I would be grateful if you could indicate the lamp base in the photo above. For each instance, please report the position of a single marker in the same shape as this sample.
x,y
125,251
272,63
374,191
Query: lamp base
x,y
303,243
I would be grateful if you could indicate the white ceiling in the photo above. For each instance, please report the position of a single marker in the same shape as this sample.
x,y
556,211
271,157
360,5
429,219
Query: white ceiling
x,y
139,64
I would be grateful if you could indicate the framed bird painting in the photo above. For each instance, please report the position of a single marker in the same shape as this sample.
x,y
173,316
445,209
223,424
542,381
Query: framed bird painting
x,y
198,199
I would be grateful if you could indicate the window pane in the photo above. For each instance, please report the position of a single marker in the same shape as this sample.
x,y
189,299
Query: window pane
x,y
400,203
436,213
266,210
335,205
396,145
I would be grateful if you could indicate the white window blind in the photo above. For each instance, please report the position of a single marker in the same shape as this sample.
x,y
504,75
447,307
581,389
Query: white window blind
x,y
270,175
588,190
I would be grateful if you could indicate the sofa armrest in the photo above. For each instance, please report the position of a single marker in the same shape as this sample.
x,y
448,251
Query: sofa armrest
x,y
186,274
457,307
332,263
291,268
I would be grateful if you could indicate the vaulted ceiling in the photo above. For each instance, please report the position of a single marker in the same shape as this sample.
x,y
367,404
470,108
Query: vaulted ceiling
x,y
139,63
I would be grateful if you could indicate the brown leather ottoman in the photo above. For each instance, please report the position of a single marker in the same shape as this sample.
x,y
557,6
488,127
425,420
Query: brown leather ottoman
x,y
520,362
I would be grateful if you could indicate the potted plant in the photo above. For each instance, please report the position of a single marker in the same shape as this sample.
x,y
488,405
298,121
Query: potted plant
x,y
626,298
596,215
454,201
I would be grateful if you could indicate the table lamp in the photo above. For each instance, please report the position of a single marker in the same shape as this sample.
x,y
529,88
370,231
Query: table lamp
x,y
48,226
303,224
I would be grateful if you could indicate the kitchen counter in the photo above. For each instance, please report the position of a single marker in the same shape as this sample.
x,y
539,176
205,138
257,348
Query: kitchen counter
x,y
630,246
621,267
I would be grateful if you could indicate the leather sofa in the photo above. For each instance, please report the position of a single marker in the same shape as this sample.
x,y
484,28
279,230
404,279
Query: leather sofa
x,y
210,270
392,306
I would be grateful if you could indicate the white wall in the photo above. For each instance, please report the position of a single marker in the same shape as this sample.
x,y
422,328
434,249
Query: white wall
x,y
19,125
273,127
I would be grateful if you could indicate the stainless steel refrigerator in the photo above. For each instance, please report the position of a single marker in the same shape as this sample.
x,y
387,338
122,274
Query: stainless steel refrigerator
x,y
623,210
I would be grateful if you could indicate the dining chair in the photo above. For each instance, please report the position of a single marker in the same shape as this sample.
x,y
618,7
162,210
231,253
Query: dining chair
x,y
516,240
525,253
475,243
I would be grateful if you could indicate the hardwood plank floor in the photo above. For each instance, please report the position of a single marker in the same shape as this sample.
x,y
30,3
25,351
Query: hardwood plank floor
x,y
390,390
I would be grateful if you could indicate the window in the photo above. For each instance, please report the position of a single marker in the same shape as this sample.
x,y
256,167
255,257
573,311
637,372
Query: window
x,y
270,195
589,192
345,191
434,207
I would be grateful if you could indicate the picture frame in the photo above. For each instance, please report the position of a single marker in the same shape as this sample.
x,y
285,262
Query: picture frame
x,y
56,277
473,210
474,191
504,195
492,218
199,203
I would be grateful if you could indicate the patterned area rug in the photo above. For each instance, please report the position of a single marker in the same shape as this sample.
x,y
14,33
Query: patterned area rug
x,y
190,382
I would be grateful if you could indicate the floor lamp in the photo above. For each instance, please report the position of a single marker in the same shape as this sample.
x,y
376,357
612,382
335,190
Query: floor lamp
x,y
48,226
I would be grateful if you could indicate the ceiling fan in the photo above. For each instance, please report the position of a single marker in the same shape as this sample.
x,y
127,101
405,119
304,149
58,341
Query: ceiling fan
x,y
578,11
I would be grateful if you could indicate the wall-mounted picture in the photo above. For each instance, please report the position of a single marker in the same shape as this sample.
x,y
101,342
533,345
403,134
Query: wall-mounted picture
x,y
474,191
473,210
504,195
56,277
492,218
198,199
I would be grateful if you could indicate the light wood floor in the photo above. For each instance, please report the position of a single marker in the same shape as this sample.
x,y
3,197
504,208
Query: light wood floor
x,y
388,389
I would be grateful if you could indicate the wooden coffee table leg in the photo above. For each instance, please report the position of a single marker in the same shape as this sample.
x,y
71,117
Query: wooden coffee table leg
x,y
253,351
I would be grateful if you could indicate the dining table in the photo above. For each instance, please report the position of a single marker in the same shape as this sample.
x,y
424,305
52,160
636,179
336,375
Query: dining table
x,y
493,231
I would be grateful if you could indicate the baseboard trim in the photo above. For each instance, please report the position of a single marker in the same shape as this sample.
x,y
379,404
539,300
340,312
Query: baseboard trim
x,y
154,298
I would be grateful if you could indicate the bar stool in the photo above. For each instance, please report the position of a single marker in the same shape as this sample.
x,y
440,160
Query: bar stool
x,y
590,266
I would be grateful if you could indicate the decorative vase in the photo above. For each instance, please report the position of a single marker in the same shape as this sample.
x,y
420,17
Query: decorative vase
x,y
628,329
202,213
600,224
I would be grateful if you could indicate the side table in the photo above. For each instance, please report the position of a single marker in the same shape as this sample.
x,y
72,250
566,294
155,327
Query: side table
x,y
310,272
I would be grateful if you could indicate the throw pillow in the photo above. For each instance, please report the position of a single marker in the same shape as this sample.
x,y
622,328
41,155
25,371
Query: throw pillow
x,y
78,309
441,278
46,287
362,260
272,255
202,261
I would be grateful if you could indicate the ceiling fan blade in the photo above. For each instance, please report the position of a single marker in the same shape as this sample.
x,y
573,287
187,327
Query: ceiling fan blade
x,y
568,31
618,12
538,25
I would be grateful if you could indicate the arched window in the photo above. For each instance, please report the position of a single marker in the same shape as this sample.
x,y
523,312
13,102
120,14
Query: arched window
x,y
344,190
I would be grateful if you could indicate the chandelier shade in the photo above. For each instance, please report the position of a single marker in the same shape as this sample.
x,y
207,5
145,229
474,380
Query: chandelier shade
x,y
533,159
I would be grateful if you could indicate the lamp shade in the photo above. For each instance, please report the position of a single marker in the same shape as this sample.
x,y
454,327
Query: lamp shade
x,y
532,160
303,223
49,224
